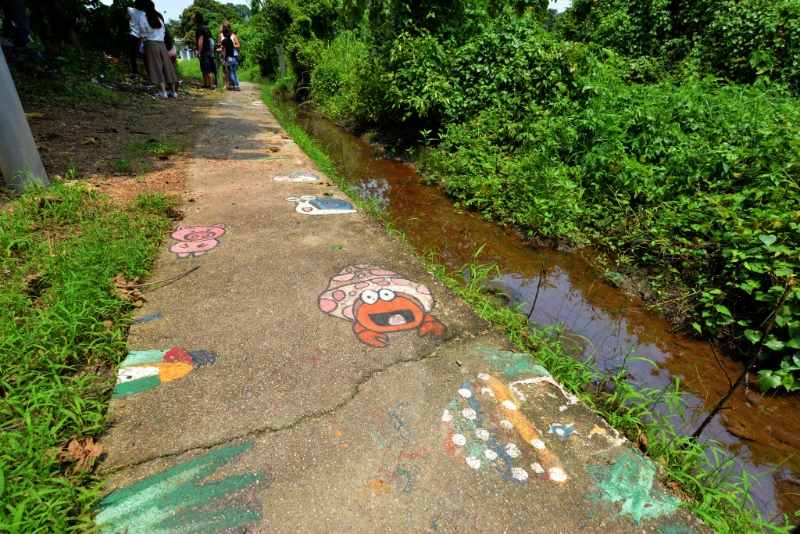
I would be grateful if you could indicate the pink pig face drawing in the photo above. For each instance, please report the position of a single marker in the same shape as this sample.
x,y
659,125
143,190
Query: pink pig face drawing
x,y
196,240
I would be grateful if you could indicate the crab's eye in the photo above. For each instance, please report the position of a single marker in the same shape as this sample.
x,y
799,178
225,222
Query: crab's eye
x,y
292,199
386,294
369,296
307,197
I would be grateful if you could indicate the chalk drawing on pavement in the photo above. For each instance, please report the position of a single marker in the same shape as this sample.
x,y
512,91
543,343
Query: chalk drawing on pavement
x,y
147,318
177,501
311,205
630,481
196,240
143,370
399,457
379,302
296,177
511,364
485,429
562,430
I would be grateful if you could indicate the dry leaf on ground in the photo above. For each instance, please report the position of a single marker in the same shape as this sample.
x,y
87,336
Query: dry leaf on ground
x,y
82,452
127,294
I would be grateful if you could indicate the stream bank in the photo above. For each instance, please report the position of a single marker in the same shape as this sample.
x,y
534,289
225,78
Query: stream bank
x,y
760,431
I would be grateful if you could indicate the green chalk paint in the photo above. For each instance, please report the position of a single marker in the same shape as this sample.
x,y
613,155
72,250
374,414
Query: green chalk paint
x,y
136,386
512,364
630,481
408,488
675,529
175,500
140,357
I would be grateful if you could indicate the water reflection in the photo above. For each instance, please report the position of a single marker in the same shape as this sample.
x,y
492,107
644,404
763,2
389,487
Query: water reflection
x,y
761,431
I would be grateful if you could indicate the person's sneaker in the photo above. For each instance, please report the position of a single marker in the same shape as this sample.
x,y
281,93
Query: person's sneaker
x,y
173,95
161,95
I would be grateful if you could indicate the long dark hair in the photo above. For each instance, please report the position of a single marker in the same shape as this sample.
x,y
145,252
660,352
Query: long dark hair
x,y
154,18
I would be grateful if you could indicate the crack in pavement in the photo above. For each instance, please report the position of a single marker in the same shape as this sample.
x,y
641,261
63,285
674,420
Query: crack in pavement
x,y
307,417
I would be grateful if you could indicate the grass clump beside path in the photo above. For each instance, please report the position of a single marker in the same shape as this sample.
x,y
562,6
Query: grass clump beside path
x,y
702,475
61,324
188,68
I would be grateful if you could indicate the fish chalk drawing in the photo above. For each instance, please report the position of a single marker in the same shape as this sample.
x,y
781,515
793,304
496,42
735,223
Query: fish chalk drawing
x,y
311,205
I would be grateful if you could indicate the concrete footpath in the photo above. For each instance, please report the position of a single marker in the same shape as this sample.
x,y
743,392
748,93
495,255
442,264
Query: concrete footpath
x,y
312,376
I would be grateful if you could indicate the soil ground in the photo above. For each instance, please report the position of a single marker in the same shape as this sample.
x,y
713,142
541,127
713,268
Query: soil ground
x,y
109,142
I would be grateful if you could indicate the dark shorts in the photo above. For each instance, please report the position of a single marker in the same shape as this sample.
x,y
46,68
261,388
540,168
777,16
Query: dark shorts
x,y
207,63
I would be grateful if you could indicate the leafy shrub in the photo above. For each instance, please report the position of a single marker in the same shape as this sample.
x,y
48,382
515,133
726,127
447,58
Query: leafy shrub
x,y
346,82
730,38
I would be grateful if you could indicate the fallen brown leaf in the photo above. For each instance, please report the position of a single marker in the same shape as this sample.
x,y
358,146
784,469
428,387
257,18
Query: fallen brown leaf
x,y
83,452
90,141
642,443
132,295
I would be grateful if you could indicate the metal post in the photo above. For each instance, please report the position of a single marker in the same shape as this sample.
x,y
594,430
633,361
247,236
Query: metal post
x,y
19,157
281,60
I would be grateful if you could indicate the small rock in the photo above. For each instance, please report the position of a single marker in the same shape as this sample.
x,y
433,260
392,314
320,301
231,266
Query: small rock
x,y
459,363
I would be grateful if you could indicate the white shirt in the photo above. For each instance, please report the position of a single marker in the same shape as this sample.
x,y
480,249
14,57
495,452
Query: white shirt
x,y
151,34
134,15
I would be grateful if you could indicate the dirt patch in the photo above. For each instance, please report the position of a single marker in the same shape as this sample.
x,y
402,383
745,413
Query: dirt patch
x,y
125,141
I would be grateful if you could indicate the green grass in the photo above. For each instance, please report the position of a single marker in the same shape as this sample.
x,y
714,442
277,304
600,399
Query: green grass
x,y
91,92
710,484
188,68
156,147
61,325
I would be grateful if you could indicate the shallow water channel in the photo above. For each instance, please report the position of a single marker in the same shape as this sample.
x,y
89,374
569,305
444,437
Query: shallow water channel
x,y
763,432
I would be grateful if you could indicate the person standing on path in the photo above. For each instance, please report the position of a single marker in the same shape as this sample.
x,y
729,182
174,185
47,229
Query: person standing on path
x,y
135,14
228,49
15,16
221,51
236,47
205,52
152,31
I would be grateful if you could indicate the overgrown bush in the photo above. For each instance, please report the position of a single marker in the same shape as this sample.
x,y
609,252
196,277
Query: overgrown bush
x,y
346,82
729,38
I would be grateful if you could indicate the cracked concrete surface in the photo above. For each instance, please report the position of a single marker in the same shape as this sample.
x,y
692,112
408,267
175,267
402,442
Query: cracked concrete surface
x,y
342,435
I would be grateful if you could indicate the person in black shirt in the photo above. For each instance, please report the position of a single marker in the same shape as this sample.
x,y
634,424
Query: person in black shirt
x,y
205,52
228,48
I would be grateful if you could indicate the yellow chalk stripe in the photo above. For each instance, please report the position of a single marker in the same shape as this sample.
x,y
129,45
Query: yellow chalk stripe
x,y
173,370
510,409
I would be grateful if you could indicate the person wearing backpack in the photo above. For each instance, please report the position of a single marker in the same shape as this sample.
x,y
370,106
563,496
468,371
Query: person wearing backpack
x,y
152,32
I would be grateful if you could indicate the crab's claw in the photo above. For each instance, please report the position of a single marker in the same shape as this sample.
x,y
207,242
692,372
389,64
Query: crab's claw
x,y
431,326
376,339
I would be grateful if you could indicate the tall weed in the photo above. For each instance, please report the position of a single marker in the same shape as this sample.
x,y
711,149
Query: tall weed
x,y
61,324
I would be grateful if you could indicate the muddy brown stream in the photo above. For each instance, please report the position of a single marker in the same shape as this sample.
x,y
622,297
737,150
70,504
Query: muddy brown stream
x,y
761,431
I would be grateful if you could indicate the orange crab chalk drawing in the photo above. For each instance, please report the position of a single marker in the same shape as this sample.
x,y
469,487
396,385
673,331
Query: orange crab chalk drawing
x,y
379,302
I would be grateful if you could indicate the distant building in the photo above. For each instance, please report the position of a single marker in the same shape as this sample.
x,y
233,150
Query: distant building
x,y
183,51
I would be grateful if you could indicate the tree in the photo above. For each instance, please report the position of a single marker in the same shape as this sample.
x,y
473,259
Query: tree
x,y
242,11
214,13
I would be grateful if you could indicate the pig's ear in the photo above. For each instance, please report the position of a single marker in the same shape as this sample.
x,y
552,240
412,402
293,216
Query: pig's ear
x,y
220,225
180,228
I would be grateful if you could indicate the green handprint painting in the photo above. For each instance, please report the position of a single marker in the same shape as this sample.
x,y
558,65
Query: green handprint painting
x,y
630,481
176,501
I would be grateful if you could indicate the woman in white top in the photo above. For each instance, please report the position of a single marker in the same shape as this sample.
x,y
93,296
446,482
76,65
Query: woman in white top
x,y
134,14
151,31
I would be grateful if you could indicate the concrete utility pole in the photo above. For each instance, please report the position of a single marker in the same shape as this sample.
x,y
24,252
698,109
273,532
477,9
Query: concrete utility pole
x,y
19,157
